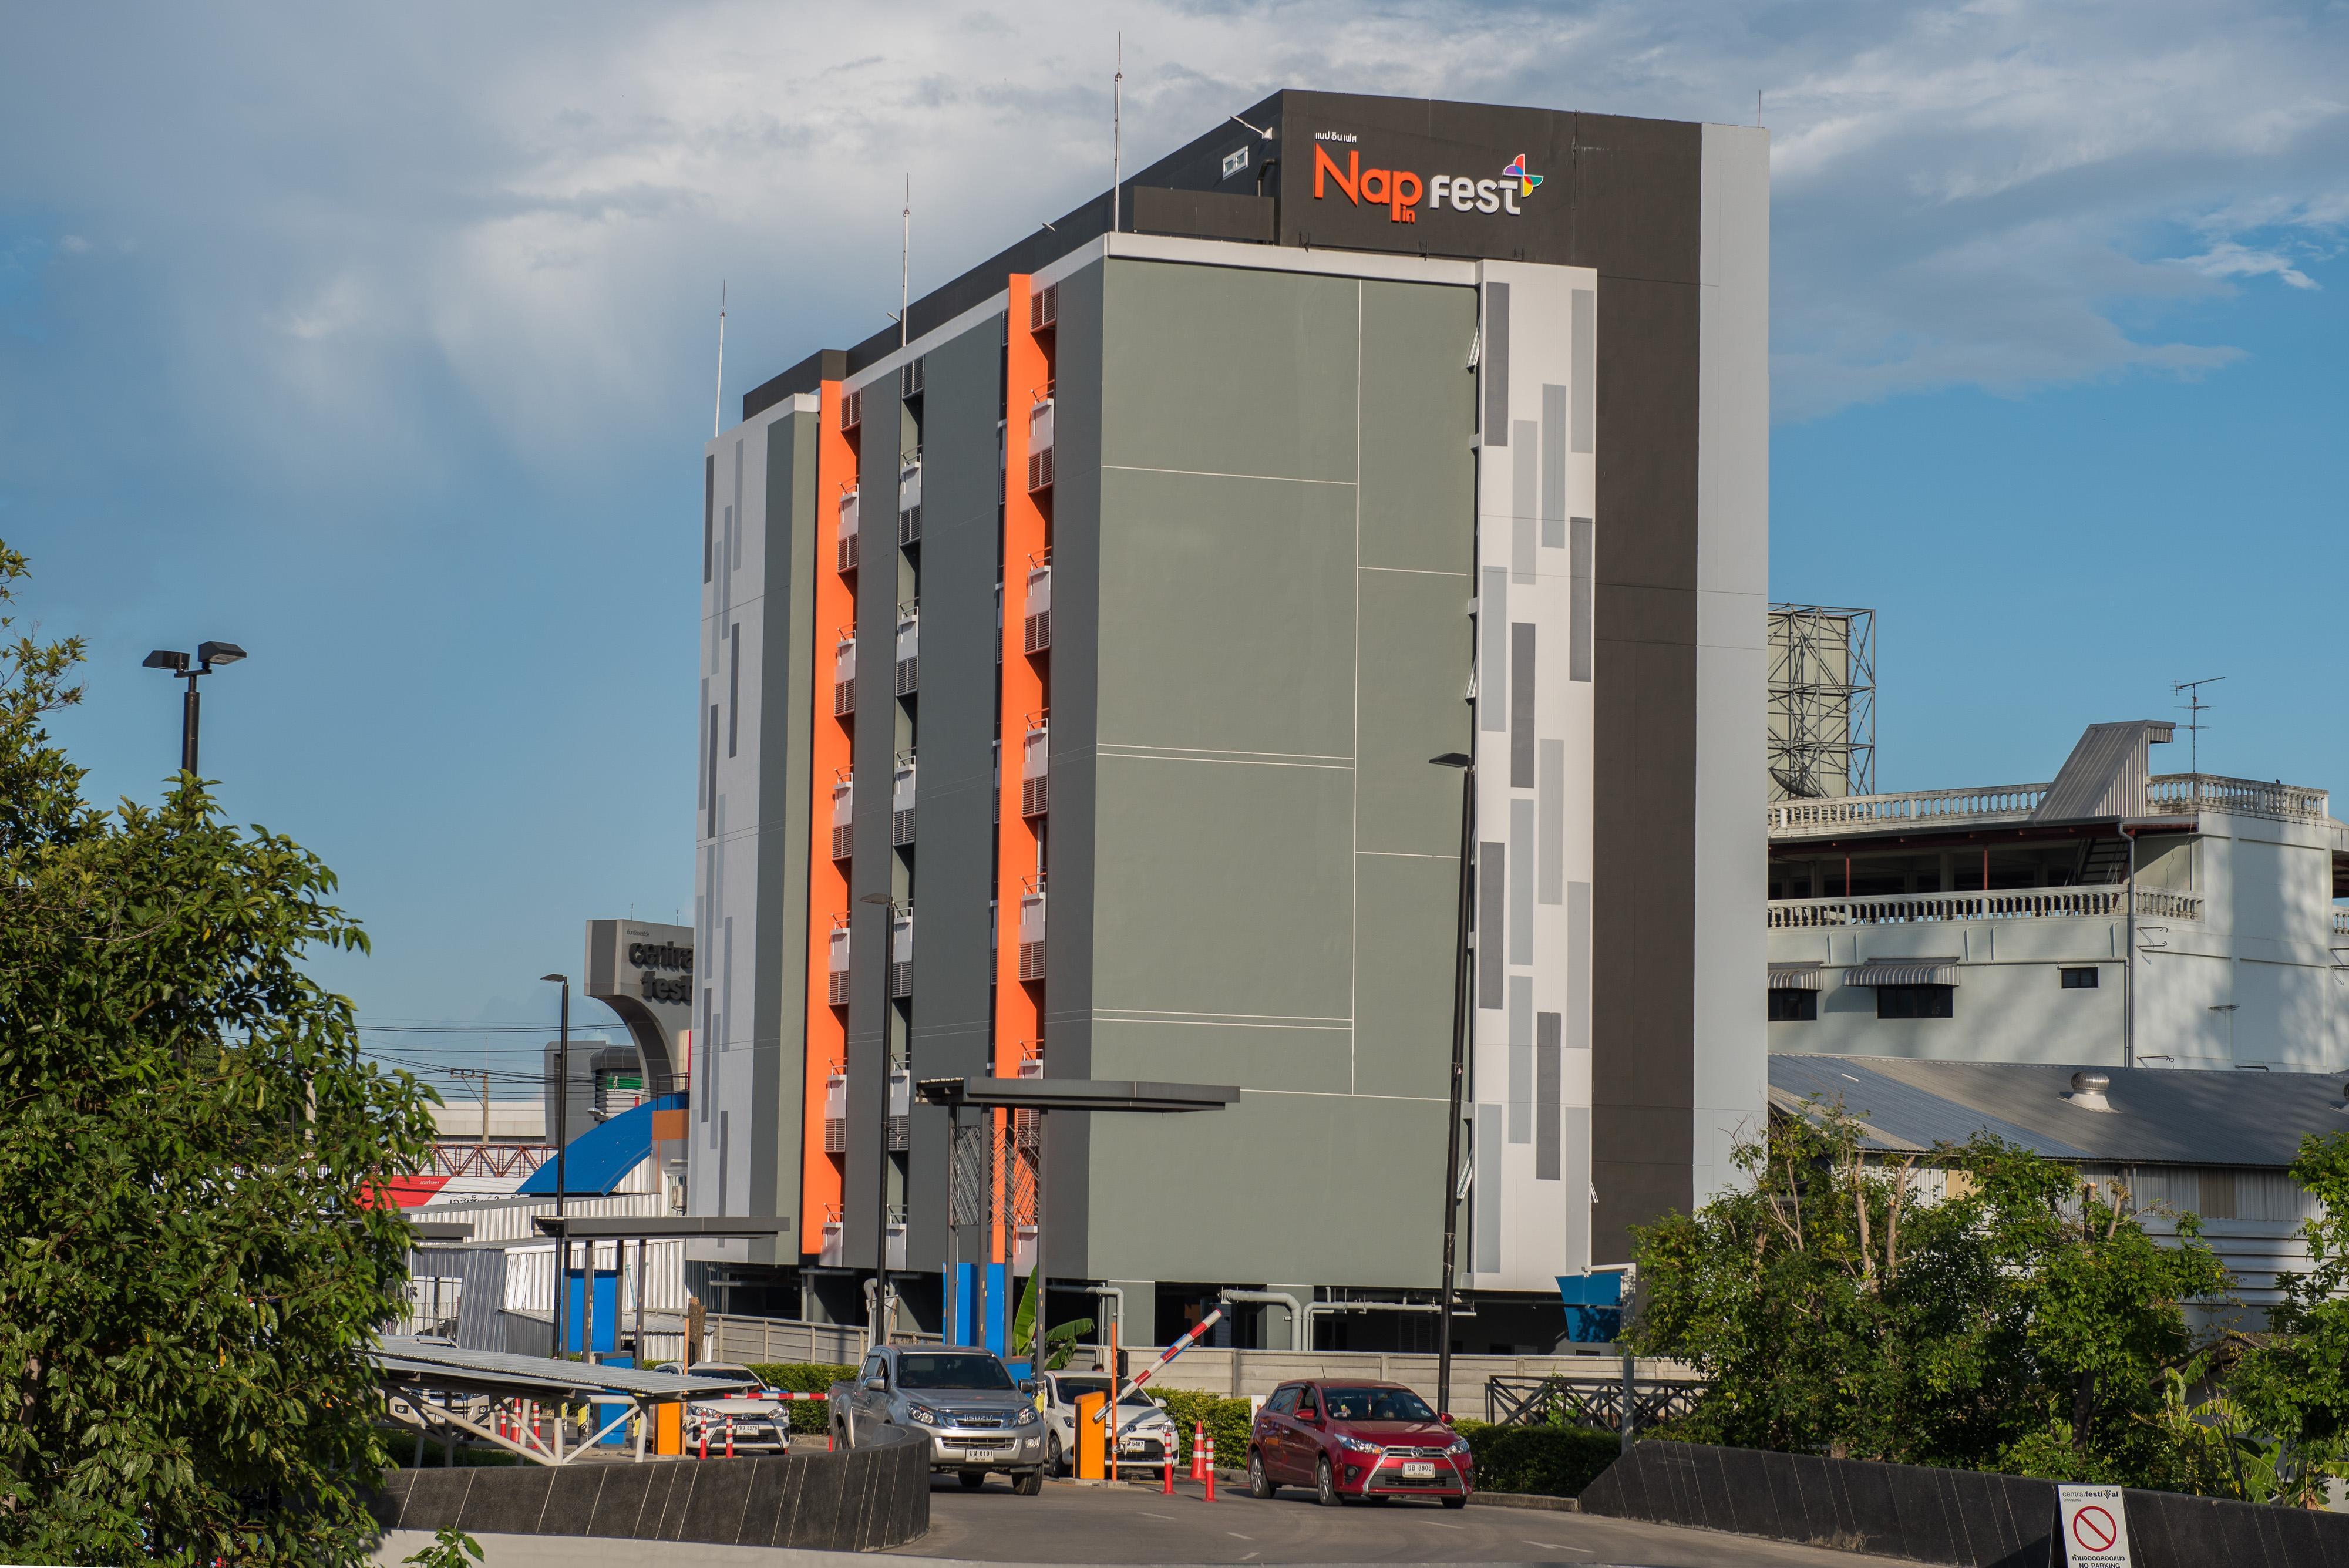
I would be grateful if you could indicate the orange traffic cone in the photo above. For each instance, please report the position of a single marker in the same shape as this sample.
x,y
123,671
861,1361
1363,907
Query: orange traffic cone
x,y
1198,1449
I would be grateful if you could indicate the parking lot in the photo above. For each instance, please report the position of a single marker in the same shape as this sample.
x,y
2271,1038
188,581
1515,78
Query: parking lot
x,y
1123,1524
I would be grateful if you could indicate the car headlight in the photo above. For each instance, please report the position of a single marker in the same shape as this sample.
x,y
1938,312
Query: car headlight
x,y
1459,1446
924,1413
1356,1446
1027,1416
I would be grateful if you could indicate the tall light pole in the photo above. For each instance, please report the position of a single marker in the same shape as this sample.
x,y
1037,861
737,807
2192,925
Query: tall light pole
x,y
1467,766
207,655
881,1312
563,1126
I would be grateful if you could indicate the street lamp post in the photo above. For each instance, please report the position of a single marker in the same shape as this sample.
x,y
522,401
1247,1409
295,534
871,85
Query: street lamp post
x,y
561,1127
207,655
1467,766
881,1314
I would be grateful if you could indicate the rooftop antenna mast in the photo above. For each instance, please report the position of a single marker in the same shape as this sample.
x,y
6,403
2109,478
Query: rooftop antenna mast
x,y
717,406
2195,709
904,253
1116,132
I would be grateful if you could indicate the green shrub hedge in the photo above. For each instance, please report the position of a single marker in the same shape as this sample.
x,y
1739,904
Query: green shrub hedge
x,y
1545,1461
808,1416
1227,1421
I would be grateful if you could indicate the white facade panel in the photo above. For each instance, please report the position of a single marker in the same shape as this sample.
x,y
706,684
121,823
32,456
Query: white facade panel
x,y
1537,484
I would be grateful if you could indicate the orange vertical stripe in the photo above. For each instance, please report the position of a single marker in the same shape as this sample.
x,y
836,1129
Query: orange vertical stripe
x,y
836,607
1018,1007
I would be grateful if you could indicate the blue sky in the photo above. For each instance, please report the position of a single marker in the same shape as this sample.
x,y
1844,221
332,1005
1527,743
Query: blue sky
x,y
381,343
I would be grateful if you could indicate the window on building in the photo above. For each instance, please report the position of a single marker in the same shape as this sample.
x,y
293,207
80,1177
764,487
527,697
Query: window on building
x,y
2081,979
1916,1001
1793,1006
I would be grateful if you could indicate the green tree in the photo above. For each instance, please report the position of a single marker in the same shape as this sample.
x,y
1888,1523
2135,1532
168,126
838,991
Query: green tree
x,y
195,1261
2294,1384
2026,1321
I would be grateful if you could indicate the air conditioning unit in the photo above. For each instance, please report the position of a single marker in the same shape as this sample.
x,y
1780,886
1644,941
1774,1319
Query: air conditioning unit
x,y
1036,632
852,411
843,677
844,819
909,378
1036,771
901,804
1032,935
1040,446
845,533
909,650
835,1114
909,501
836,961
1044,308
901,954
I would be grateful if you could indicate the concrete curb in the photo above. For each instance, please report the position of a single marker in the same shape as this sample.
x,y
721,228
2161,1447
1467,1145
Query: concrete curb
x,y
1524,1499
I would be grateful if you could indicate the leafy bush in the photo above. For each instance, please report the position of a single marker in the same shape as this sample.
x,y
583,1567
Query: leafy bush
x,y
1546,1461
1227,1420
808,1416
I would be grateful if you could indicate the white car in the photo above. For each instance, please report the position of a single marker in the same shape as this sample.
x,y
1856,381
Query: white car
x,y
755,1418
1146,1436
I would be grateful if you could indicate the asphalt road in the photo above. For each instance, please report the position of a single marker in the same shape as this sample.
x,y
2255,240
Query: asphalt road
x,y
1127,1524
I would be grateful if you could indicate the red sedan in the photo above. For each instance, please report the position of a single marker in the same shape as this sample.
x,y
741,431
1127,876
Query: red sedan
x,y
1355,1441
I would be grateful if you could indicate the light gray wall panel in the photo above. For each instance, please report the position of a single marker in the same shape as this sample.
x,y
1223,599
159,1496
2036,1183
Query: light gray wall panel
x,y
1403,961
1419,417
1226,371
1415,663
1233,605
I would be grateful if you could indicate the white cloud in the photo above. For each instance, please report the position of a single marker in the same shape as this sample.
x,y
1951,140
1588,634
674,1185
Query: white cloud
x,y
1965,194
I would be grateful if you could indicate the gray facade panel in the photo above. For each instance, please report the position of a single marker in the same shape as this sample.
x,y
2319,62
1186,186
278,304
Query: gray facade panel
x,y
1418,419
1404,952
1410,707
881,731
954,859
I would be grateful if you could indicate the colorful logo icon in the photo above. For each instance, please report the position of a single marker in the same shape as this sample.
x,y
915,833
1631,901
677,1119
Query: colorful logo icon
x,y
1516,170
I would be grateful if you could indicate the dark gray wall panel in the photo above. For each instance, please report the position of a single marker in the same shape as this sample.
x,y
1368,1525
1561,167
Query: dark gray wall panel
x,y
955,847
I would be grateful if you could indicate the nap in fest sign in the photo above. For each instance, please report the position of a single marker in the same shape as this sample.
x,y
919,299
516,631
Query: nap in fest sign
x,y
2095,1522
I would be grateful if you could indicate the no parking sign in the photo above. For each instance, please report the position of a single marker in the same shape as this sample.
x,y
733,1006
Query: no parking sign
x,y
2094,1524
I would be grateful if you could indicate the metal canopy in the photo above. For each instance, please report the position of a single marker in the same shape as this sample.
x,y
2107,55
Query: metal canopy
x,y
1073,1094
443,1229
443,1365
656,1227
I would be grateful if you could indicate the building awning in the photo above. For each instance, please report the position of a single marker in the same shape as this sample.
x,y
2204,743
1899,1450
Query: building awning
x,y
1904,971
600,1159
1793,977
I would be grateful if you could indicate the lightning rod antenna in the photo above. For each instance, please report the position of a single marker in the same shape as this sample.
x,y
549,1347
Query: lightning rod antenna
x,y
1116,134
904,253
717,405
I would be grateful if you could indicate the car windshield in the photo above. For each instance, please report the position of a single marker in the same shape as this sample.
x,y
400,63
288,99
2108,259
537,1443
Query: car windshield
x,y
1075,1389
952,1372
1376,1405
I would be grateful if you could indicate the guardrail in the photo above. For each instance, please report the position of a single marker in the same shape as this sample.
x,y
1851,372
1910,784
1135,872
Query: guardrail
x,y
1593,1402
2166,795
2014,904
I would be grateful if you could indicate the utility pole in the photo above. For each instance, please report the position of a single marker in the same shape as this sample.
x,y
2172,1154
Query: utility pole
x,y
561,1127
483,1075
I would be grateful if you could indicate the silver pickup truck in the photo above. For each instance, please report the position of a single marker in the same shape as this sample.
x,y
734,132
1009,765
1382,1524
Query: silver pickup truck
x,y
962,1399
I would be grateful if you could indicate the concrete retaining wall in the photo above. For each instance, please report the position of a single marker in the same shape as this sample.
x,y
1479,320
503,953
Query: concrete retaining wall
x,y
873,1496
1959,1517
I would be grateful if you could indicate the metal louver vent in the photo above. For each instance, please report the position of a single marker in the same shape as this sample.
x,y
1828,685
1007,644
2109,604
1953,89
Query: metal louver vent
x,y
909,378
901,827
852,411
909,525
1040,471
844,698
1044,308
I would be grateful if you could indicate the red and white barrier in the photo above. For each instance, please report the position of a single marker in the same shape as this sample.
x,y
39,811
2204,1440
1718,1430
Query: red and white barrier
x,y
1199,1450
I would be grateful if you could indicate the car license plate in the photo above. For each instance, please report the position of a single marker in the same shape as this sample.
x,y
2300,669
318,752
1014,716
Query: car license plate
x,y
1413,1470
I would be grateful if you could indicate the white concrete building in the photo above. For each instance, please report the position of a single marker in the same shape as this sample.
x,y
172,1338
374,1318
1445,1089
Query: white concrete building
x,y
2111,918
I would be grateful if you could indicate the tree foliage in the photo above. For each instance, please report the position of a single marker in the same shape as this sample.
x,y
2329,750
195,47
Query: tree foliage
x,y
2026,1323
190,1145
2294,1382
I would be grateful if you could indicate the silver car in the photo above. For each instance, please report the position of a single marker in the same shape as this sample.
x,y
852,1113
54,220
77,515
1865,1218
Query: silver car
x,y
963,1400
